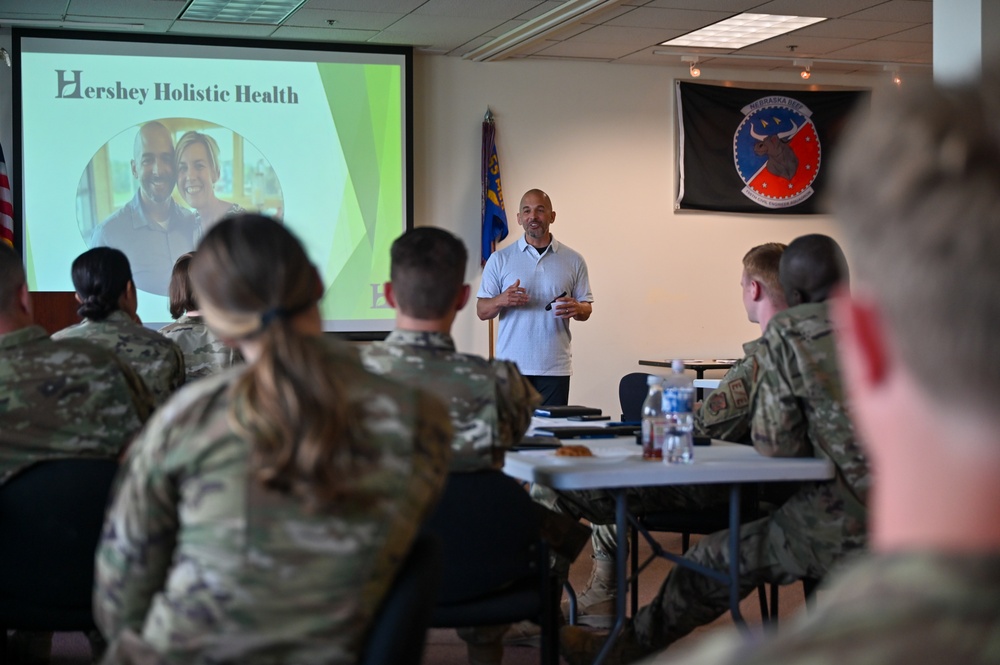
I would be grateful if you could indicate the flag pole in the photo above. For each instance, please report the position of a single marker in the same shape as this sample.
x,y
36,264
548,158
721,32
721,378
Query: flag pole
x,y
488,153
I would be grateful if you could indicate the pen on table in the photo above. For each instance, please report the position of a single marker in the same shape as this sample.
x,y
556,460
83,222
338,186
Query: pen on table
x,y
549,306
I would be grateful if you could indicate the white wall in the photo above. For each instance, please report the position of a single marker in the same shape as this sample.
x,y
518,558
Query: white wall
x,y
599,138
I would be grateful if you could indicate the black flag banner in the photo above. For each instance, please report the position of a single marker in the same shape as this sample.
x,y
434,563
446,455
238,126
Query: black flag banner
x,y
758,151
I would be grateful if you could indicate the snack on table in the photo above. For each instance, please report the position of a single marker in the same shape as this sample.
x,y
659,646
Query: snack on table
x,y
574,451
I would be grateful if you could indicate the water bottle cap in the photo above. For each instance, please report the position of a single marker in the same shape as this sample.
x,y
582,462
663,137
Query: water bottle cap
x,y
677,365
653,379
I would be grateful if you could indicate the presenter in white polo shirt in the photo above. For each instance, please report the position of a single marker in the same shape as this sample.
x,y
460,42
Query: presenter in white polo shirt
x,y
536,286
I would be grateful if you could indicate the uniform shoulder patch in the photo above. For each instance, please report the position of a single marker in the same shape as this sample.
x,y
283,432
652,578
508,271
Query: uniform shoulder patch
x,y
739,392
717,403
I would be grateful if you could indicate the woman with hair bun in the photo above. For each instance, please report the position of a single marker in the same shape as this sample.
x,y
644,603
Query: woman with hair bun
x,y
102,278
204,352
263,513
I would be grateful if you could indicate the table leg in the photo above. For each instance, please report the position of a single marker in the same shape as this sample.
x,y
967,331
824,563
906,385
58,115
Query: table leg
x,y
621,539
734,555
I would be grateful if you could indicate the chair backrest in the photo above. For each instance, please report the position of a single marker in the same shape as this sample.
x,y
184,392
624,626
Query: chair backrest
x,y
399,632
51,516
632,391
489,529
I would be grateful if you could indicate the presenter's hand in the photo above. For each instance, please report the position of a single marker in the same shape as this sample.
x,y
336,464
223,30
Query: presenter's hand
x,y
514,295
571,308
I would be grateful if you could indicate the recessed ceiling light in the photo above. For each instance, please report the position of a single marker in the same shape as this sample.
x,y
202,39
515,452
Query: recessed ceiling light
x,y
268,12
742,30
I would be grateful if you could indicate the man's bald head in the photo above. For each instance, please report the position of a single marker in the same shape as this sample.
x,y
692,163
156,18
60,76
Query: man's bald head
x,y
810,268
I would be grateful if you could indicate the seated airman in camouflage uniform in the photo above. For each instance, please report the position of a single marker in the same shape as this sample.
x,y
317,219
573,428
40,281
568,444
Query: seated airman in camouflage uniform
x,y
916,193
798,410
264,512
103,282
489,402
204,352
57,400
724,414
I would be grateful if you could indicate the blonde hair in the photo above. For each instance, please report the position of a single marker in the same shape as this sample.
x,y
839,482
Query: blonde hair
x,y
211,147
252,278
761,264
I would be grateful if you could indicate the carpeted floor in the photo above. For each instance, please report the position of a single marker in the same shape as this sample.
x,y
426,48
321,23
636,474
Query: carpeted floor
x,y
445,648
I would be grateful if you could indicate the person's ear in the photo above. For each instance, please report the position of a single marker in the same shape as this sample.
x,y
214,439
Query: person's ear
x,y
756,291
862,342
24,299
462,299
390,295
79,300
135,173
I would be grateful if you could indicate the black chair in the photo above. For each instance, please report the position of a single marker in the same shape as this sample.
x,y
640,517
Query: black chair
x,y
496,566
399,632
632,391
51,516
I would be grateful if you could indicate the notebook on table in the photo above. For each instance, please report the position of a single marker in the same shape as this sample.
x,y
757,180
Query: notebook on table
x,y
566,411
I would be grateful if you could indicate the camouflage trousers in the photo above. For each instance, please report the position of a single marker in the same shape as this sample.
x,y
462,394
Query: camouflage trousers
x,y
795,542
598,508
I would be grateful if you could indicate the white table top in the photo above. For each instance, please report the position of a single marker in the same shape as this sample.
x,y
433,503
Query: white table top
x,y
618,463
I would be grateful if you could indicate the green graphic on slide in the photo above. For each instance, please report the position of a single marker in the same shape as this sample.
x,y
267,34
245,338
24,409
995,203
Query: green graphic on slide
x,y
371,213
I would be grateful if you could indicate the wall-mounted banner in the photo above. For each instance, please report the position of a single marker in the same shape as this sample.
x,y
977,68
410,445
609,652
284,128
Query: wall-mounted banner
x,y
757,151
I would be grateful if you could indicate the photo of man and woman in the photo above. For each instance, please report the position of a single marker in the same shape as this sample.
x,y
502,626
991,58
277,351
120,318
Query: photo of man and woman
x,y
156,188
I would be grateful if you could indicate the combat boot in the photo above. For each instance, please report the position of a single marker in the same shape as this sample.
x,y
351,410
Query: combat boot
x,y
595,605
580,646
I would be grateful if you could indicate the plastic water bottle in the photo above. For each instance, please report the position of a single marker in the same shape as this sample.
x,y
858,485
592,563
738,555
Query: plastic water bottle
x,y
653,421
678,405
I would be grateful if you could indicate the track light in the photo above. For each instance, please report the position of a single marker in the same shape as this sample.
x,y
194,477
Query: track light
x,y
692,61
806,66
897,81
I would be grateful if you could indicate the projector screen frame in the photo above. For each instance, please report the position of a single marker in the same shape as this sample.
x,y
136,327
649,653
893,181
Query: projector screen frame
x,y
374,329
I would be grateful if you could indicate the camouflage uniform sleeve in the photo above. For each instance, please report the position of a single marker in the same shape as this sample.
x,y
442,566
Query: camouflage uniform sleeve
x,y
516,402
142,398
136,547
779,426
725,413
180,373
433,443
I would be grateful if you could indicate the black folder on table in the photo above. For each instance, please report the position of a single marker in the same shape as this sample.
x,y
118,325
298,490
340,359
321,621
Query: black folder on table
x,y
582,432
566,411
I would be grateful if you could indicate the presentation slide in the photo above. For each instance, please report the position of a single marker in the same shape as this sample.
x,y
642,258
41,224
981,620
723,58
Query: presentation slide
x,y
143,146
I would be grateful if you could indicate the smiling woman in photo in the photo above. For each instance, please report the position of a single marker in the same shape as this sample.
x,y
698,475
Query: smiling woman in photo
x,y
197,172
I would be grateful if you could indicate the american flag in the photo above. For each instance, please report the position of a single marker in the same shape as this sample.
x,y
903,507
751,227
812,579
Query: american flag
x,y
6,207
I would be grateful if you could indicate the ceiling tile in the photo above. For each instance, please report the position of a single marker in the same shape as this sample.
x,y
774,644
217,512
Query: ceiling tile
x,y
324,34
142,8
729,6
828,8
673,19
500,11
846,28
881,50
344,20
899,10
388,6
